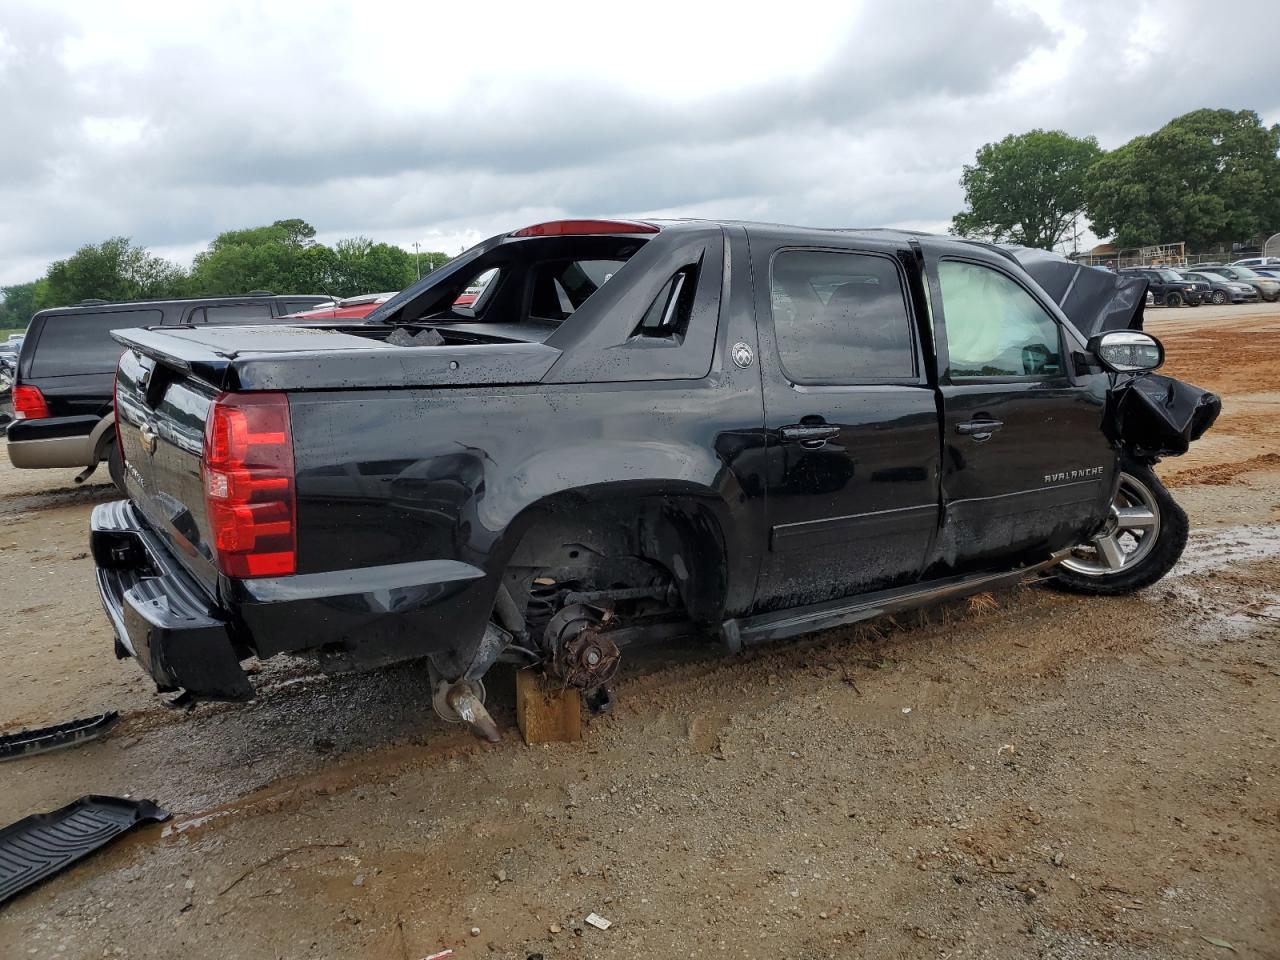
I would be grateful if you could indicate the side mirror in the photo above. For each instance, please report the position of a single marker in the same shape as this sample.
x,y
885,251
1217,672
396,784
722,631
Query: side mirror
x,y
1124,351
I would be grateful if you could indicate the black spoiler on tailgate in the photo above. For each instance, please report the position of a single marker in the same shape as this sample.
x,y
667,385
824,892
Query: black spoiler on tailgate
x,y
281,357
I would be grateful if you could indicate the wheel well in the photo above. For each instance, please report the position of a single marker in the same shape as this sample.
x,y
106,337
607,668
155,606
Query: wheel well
x,y
614,542
104,435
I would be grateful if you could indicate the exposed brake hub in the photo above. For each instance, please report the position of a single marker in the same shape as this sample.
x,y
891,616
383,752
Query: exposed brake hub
x,y
582,655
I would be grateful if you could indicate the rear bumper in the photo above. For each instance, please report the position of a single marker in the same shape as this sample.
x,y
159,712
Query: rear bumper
x,y
161,616
188,639
53,442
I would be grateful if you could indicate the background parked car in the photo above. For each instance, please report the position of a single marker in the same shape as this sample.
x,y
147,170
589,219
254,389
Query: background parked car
x,y
1268,288
1223,290
1272,272
347,308
1169,287
62,390
1257,262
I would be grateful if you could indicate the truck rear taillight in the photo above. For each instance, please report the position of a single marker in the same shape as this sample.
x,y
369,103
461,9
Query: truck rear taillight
x,y
28,403
248,485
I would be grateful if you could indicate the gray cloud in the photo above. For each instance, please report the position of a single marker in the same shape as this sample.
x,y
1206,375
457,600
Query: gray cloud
x,y
175,137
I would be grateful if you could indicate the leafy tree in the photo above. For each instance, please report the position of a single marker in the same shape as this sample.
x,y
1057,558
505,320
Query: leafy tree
x,y
112,270
1208,176
282,257
1027,189
19,304
362,266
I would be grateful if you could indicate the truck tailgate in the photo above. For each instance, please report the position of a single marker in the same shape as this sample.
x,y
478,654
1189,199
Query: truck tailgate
x,y
161,413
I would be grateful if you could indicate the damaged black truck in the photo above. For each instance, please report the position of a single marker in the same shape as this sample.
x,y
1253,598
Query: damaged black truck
x,y
637,430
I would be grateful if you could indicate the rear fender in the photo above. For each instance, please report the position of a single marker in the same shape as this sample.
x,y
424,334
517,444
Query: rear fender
x,y
683,526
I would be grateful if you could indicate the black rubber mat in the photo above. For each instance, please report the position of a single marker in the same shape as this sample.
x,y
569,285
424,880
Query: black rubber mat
x,y
24,743
40,845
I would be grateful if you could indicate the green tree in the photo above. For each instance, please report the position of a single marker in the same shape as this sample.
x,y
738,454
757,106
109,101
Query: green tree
x,y
1027,189
282,257
1208,176
362,266
112,270
18,305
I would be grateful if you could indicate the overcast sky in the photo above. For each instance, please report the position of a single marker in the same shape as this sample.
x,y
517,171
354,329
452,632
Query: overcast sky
x,y
169,122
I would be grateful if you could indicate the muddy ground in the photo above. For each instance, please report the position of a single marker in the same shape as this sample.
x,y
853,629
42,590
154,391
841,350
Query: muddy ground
x,y
1030,775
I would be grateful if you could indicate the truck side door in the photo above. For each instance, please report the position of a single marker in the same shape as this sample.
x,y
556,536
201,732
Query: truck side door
x,y
1026,466
851,422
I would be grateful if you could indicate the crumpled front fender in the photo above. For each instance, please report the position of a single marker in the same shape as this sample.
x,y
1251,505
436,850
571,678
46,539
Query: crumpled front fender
x,y
1152,415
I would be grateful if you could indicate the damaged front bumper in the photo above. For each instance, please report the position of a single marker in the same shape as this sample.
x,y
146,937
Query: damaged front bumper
x,y
161,616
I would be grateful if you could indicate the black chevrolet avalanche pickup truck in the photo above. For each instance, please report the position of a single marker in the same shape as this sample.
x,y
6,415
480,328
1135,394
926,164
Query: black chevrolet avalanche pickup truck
x,y
636,431
62,392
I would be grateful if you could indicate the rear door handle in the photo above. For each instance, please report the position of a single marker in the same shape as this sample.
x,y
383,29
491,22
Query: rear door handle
x,y
979,429
810,436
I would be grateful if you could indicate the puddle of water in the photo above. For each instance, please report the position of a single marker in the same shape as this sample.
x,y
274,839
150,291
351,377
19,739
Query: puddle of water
x,y
1209,550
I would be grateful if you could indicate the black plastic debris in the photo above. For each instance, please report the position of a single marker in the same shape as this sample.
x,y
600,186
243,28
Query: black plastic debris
x,y
25,743
42,844
1161,416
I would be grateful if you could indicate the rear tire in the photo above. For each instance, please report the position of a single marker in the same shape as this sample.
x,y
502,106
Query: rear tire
x,y
1145,515
1173,300
115,467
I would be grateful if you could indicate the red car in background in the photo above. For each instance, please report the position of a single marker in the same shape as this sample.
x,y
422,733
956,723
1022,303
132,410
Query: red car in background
x,y
357,308
348,308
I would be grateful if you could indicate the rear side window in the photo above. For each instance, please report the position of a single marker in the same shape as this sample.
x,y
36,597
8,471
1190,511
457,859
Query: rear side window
x,y
994,327
233,313
561,286
841,317
81,343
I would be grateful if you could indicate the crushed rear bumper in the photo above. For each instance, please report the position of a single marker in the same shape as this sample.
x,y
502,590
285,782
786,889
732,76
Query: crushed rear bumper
x,y
161,616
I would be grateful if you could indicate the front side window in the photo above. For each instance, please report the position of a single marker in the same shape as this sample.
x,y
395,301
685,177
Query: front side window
x,y
841,317
994,327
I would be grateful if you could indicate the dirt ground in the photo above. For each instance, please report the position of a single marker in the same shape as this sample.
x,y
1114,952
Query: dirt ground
x,y
1029,775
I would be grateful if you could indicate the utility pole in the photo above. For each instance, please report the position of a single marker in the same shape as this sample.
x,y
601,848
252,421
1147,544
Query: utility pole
x,y
417,258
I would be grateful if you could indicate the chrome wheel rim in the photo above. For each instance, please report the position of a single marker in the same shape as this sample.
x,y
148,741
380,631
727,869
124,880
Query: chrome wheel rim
x,y
1127,537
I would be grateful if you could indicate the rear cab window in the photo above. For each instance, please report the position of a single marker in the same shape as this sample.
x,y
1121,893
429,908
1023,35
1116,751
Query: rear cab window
x,y
541,282
80,343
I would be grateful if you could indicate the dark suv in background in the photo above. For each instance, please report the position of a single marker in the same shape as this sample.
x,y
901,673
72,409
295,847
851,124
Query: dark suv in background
x,y
1168,287
62,391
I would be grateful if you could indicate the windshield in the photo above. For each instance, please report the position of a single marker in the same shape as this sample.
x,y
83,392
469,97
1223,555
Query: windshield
x,y
1211,277
1168,275
1245,273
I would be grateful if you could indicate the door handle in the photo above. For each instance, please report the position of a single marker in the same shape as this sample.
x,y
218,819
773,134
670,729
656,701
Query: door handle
x,y
810,435
979,429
